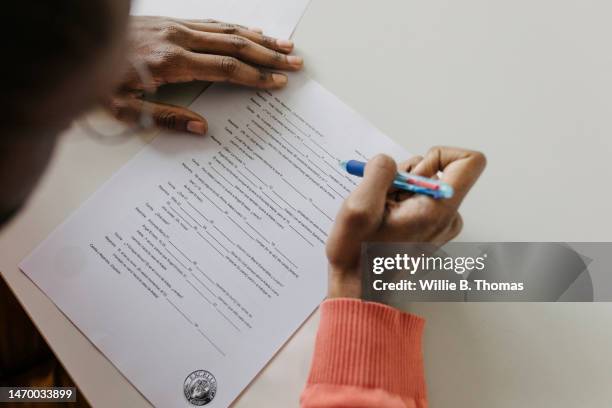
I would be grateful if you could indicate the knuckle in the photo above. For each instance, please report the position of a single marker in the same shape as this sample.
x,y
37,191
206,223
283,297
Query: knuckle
x,y
171,31
166,118
383,162
268,42
410,164
160,60
480,158
229,28
228,65
264,76
278,57
434,151
238,42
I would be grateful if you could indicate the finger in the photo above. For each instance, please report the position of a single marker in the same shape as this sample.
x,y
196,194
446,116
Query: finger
x,y
213,21
243,48
409,164
460,168
131,109
284,46
217,68
362,212
200,20
176,118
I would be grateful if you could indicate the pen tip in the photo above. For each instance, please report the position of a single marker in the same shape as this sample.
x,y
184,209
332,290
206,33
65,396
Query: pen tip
x,y
446,190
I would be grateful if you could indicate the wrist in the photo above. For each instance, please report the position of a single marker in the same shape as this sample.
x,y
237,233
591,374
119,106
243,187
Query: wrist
x,y
344,284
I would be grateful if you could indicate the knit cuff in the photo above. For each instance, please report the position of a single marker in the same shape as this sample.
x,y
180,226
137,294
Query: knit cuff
x,y
369,345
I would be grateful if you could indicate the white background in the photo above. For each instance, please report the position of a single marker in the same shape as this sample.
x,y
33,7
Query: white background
x,y
527,82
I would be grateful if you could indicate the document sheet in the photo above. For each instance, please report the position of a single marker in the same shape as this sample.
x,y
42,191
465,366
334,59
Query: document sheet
x,y
277,18
204,254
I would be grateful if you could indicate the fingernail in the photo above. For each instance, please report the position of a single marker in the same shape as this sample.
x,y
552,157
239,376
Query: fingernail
x,y
199,128
295,60
285,44
256,29
279,79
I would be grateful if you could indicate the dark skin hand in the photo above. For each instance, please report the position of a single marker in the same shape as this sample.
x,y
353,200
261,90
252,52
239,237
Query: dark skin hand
x,y
177,51
375,212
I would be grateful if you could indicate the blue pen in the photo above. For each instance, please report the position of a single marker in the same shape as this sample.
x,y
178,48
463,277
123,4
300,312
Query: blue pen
x,y
406,181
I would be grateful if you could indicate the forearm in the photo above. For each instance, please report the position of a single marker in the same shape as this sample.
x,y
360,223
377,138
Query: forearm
x,y
366,354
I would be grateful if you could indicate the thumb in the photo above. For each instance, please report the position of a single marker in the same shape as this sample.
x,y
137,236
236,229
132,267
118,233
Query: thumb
x,y
362,212
130,109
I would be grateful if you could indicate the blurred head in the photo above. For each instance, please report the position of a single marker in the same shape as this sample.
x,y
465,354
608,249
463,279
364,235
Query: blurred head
x,y
62,58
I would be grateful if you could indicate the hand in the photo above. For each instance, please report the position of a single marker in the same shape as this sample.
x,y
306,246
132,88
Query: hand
x,y
177,51
375,212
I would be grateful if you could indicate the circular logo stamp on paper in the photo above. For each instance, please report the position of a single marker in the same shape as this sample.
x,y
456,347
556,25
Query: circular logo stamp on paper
x,y
200,387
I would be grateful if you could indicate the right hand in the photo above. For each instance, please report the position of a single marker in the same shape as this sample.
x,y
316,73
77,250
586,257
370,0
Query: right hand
x,y
375,212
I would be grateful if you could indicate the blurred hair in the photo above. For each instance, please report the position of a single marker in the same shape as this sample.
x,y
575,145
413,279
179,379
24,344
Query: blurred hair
x,y
45,41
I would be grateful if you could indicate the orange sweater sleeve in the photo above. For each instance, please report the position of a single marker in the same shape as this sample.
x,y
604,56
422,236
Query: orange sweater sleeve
x,y
366,355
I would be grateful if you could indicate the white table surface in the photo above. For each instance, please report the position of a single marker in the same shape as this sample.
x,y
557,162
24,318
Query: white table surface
x,y
528,82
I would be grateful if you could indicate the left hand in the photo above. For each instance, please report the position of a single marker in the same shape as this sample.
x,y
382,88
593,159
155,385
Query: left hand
x,y
176,51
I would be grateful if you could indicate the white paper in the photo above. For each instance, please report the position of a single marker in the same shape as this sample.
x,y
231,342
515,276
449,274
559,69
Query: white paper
x,y
208,253
277,18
